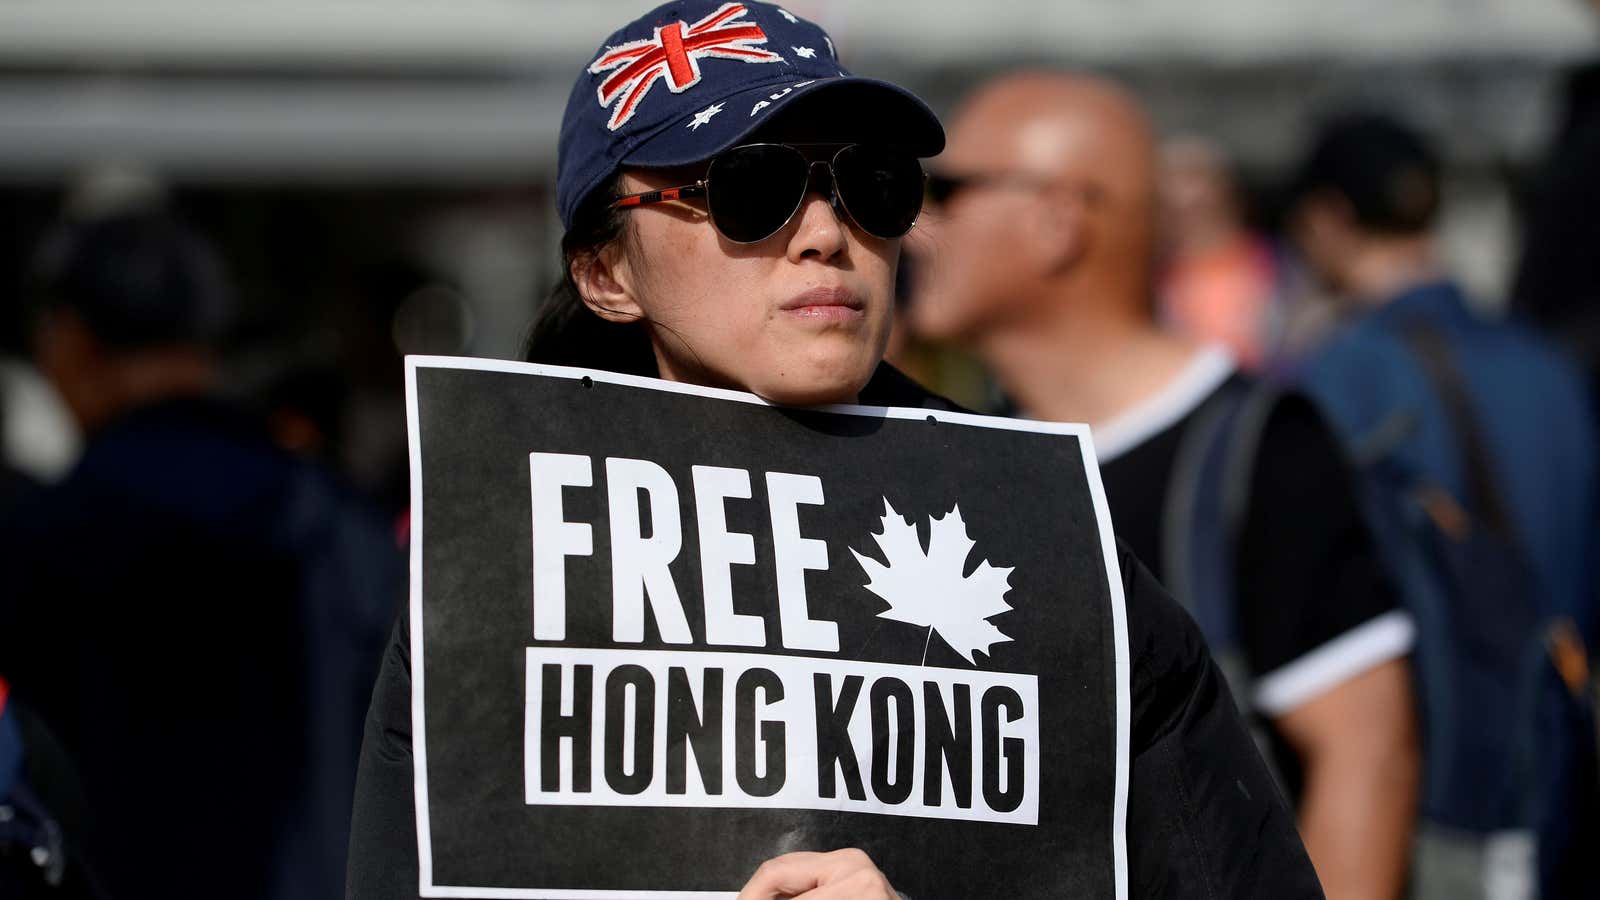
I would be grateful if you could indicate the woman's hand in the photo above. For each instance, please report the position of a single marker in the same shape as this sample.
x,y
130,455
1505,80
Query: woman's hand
x,y
840,875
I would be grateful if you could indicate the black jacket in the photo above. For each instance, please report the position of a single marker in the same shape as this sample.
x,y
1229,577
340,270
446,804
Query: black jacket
x,y
195,615
1205,819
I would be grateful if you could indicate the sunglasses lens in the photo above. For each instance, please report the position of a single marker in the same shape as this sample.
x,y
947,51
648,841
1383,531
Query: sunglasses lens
x,y
882,189
753,190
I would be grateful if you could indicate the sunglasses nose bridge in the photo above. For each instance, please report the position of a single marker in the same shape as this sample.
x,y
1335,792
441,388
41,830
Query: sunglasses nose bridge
x,y
819,178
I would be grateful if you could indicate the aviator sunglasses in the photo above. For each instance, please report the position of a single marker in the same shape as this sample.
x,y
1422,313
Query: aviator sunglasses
x,y
753,190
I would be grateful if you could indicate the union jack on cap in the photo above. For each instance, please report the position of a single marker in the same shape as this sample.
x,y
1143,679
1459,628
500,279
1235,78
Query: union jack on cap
x,y
673,53
688,80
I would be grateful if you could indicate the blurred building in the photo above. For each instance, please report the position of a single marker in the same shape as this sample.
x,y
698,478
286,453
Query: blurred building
x,y
377,170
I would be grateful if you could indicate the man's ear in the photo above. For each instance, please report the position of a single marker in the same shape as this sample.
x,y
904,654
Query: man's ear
x,y
1322,221
1327,210
605,280
1060,231
67,352
62,342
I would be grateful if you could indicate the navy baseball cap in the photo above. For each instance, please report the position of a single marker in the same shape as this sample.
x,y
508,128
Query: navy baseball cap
x,y
688,80
137,279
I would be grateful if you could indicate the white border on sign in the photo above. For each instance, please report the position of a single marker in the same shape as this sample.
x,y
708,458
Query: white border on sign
x,y
1119,616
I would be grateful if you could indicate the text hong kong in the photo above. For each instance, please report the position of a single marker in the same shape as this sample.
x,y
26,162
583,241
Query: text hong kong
x,y
700,728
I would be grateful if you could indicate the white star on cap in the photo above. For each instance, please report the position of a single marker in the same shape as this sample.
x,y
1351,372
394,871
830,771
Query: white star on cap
x,y
804,52
831,51
788,15
704,116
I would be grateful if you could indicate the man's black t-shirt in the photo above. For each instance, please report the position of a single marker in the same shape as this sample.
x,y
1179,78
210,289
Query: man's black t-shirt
x,y
1204,817
1314,606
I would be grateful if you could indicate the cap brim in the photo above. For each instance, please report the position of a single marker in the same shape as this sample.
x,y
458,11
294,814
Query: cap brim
x,y
854,110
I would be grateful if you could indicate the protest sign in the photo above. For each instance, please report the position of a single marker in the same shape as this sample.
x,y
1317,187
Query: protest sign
x,y
661,633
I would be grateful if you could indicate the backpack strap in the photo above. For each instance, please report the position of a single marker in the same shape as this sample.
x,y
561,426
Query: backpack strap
x,y
1438,361
1208,496
1569,657
1260,403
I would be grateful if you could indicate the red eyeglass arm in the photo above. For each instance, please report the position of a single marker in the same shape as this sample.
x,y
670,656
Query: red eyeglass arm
x,y
644,198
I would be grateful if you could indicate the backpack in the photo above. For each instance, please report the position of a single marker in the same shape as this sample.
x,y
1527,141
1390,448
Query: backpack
x,y
35,861
10,746
1505,702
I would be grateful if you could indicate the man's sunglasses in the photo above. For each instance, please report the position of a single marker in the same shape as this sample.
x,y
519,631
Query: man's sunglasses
x,y
753,190
941,187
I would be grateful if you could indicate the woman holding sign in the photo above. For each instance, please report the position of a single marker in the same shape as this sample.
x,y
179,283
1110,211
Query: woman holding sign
x,y
734,204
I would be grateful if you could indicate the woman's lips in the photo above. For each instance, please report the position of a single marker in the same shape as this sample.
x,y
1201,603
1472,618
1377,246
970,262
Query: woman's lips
x,y
825,304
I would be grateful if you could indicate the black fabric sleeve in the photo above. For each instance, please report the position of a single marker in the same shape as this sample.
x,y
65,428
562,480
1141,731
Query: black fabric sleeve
x,y
383,826
1308,570
1205,819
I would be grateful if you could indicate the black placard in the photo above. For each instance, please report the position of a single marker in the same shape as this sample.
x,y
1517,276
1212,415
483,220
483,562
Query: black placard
x,y
661,633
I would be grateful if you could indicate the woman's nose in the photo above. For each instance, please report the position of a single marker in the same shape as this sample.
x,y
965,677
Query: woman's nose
x,y
821,233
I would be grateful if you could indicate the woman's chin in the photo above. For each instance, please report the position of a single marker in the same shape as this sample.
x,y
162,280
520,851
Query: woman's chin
x,y
816,388
820,370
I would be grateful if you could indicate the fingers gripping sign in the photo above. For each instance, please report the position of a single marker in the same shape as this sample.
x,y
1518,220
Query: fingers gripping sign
x,y
840,875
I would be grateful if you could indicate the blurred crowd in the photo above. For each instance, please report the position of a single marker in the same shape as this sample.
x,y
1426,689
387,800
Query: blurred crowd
x,y
1376,491
1379,504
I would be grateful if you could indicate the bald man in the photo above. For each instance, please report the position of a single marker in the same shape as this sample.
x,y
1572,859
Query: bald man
x,y
1037,254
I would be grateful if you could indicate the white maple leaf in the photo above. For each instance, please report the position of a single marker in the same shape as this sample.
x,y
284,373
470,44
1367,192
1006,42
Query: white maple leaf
x,y
930,589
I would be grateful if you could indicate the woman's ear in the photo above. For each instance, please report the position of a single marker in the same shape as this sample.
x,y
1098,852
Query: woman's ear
x,y
605,282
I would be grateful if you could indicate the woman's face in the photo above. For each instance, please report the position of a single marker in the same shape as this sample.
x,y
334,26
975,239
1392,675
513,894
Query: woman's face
x,y
799,318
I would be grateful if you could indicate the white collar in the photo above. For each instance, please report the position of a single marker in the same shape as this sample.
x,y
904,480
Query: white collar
x,y
1206,372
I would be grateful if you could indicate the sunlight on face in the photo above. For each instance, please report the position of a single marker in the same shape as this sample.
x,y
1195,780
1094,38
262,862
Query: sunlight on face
x,y
799,318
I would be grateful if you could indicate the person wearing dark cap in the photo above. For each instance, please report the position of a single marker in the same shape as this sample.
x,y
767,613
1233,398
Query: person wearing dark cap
x,y
192,613
1490,429
734,214
130,309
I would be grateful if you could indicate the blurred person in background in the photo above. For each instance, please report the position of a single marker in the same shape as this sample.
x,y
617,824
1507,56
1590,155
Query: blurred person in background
x,y
1558,281
195,614
1039,256
304,401
1489,430
1220,283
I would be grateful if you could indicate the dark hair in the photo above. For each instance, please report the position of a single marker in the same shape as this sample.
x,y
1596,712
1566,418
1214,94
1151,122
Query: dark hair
x,y
565,331
1385,170
136,280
